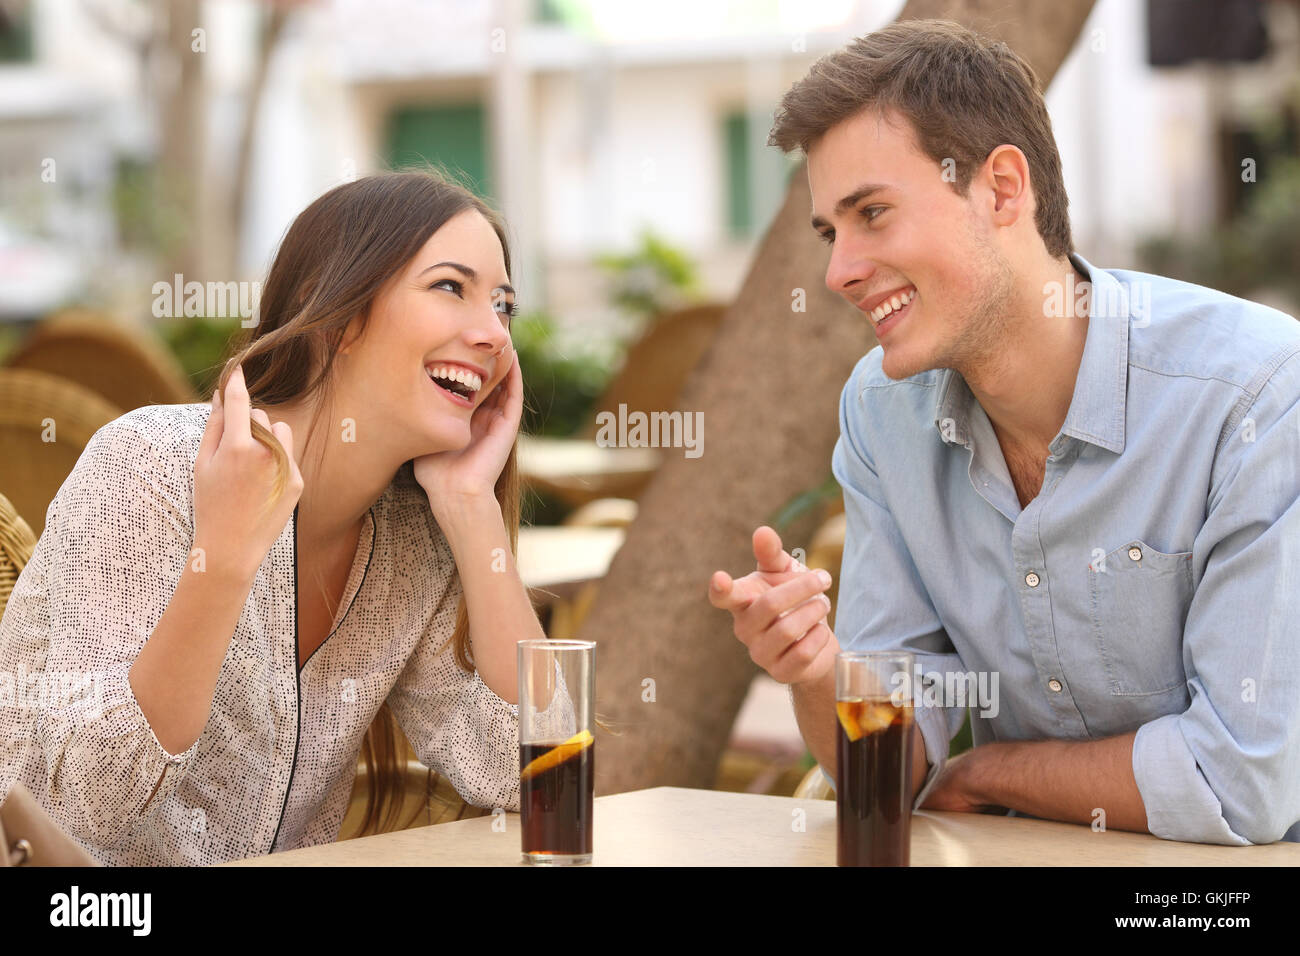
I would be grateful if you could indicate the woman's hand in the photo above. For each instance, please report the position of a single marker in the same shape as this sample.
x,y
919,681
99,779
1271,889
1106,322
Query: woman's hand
x,y
235,521
472,472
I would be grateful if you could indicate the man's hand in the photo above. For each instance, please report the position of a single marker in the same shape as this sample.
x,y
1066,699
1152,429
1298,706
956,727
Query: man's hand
x,y
779,613
953,790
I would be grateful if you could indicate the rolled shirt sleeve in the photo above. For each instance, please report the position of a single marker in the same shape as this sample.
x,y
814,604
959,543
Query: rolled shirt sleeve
x,y
883,605
1227,770
456,724
116,540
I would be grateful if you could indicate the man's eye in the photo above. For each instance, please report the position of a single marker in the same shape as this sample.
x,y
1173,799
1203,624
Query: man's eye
x,y
827,237
869,215
457,287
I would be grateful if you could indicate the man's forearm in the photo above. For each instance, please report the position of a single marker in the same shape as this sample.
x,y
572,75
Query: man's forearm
x,y
814,709
1067,780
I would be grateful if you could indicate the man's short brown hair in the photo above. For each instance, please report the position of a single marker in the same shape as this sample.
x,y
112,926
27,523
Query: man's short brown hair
x,y
963,93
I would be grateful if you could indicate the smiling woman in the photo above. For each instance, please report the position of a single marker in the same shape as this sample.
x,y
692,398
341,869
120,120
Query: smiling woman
x,y
361,441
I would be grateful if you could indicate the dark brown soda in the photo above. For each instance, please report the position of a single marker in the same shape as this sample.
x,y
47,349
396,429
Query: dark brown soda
x,y
873,785
556,805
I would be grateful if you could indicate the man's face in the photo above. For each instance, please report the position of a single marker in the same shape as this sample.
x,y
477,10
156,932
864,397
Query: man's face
x,y
903,239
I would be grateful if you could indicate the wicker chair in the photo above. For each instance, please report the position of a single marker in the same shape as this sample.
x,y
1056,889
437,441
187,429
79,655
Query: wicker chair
x,y
16,545
427,798
128,367
658,364
31,469
813,786
567,616
651,379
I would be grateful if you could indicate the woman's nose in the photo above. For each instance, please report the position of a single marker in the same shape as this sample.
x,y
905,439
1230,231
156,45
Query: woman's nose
x,y
490,332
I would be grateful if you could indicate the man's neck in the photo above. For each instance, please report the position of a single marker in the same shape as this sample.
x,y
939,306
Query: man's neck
x,y
1026,388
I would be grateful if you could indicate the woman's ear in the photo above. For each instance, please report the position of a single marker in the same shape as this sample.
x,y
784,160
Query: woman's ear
x,y
351,335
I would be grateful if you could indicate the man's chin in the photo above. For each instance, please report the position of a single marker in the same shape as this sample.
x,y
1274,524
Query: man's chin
x,y
898,365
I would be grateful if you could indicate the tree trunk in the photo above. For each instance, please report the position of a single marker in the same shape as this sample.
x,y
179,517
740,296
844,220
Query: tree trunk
x,y
181,145
769,437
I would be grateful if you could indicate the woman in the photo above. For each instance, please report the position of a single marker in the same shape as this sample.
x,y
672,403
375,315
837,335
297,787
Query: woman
x,y
244,586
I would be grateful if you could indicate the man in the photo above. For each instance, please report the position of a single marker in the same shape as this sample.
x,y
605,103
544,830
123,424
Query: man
x,y
1083,482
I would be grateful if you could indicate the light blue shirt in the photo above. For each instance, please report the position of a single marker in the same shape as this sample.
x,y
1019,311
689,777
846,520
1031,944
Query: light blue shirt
x,y
1152,585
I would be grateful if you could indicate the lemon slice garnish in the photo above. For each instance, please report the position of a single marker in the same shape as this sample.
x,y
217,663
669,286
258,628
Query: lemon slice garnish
x,y
557,755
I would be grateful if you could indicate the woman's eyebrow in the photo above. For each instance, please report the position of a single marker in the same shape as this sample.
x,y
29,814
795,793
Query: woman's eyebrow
x,y
469,274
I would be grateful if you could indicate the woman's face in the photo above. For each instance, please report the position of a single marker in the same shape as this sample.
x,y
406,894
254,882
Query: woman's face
x,y
449,310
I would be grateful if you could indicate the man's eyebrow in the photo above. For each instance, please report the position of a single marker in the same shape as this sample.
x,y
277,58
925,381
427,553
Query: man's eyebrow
x,y
468,273
849,201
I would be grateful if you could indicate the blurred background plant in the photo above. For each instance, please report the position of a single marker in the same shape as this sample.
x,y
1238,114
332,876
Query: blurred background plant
x,y
1256,252
652,279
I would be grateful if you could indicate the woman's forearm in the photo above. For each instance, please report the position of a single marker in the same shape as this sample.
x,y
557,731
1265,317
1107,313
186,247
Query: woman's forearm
x,y
500,612
175,675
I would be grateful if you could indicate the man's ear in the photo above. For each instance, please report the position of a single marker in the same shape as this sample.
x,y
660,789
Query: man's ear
x,y
1006,175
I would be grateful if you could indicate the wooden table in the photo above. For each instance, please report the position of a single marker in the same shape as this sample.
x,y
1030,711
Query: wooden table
x,y
558,557
670,826
578,470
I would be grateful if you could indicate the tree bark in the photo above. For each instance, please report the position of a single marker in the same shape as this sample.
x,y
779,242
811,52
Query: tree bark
x,y
769,436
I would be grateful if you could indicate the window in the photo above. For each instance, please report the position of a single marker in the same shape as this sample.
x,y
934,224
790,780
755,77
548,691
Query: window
x,y
452,136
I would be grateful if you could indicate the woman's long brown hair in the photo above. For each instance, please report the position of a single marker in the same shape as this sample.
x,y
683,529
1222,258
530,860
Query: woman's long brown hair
x,y
332,264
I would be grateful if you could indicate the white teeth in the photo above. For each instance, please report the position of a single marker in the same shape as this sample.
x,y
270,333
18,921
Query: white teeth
x,y
892,304
466,378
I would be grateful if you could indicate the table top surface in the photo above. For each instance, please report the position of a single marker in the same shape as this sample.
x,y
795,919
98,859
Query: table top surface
x,y
541,457
549,556
672,826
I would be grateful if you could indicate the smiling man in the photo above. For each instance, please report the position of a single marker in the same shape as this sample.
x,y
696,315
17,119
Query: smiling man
x,y
1084,481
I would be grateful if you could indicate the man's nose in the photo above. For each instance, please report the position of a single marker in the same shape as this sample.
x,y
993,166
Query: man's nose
x,y
849,270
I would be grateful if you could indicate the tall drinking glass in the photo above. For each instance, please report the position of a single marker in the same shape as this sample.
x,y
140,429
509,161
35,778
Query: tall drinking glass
x,y
557,752
873,778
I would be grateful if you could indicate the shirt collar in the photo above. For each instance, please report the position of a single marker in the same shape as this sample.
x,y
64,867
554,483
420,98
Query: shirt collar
x,y
1097,409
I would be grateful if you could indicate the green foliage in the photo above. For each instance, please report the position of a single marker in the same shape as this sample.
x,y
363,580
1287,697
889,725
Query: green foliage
x,y
652,279
1260,249
804,501
146,218
963,740
200,345
559,389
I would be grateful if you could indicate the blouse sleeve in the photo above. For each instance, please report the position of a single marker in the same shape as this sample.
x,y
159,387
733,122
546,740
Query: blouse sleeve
x,y
116,539
455,722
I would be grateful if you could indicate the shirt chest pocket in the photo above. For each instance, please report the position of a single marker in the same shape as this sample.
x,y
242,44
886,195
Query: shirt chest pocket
x,y
1140,598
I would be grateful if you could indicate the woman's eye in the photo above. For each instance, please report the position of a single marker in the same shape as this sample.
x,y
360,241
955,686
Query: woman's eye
x,y
456,287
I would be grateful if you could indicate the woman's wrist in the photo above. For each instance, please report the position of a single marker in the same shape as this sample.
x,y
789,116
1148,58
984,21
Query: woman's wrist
x,y
464,514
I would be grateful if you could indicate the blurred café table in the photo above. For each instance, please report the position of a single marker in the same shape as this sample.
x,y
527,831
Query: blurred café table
x,y
577,470
672,826
557,559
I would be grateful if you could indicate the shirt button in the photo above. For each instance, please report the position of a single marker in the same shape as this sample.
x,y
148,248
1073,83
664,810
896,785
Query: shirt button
x,y
1135,553
1031,579
1055,685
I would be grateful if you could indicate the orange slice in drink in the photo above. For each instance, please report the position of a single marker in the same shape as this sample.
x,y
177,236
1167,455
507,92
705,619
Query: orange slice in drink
x,y
557,755
862,717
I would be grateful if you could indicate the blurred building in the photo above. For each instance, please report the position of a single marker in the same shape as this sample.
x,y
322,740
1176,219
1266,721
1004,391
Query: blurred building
x,y
586,121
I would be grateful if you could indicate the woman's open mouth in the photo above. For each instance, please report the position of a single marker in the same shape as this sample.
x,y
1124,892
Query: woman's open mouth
x,y
458,386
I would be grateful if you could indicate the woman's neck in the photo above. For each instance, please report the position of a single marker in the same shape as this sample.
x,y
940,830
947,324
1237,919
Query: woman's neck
x,y
340,480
